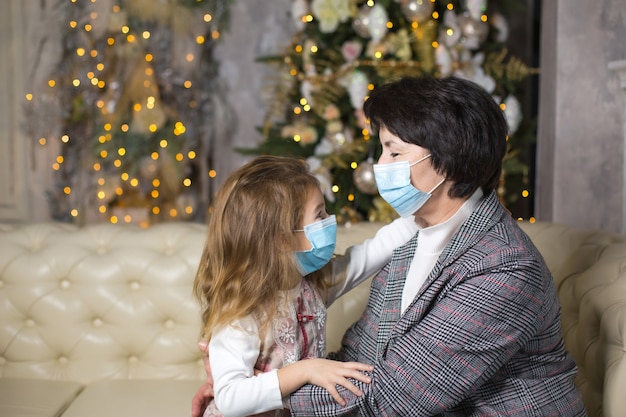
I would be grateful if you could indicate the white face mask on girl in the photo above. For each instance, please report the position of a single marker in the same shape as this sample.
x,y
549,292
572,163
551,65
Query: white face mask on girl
x,y
394,186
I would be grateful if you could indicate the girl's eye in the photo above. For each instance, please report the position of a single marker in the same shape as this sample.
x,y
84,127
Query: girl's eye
x,y
394,154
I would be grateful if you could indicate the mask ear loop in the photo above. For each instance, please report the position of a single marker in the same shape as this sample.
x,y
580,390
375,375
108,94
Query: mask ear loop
x,y
420,160
436,186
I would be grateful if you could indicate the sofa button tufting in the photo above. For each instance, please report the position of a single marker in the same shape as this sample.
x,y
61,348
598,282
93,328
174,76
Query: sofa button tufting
x,y
97,322
133,359
29,322
3,361
169,324
134,285
62,360
65,284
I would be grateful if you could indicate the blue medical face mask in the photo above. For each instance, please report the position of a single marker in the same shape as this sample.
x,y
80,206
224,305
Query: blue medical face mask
x,y
323,237
394,186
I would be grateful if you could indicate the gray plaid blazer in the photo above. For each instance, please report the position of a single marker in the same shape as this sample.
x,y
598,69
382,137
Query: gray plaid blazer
x,y
481,338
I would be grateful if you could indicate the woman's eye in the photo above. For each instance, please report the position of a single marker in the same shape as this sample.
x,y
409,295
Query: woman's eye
x,y
394,154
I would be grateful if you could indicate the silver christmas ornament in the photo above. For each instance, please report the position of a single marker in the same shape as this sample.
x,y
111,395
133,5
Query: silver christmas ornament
x,y
474,31
363,177
417,10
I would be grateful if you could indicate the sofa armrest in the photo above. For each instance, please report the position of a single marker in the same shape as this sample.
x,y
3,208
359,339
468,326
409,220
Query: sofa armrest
x,y
589,269
599,340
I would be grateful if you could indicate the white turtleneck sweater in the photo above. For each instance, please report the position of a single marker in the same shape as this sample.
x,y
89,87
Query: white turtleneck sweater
x,y
430,243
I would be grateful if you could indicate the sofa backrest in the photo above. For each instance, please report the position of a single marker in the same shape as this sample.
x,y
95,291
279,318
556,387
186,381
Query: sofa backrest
x,y
102,301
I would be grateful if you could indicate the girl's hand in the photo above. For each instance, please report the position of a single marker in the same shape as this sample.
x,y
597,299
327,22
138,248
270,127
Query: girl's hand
x,y
328,374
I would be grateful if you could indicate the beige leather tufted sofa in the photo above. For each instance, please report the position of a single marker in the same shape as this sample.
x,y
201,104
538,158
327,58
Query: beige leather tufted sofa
x,y
99,321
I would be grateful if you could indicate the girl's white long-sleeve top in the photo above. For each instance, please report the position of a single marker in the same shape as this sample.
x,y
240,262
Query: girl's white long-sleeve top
x,y
234,349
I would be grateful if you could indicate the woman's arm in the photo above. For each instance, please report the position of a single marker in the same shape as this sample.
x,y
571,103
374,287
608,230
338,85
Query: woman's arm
x,y
363,260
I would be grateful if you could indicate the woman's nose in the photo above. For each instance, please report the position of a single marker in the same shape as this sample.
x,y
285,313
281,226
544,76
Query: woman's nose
x,y
382,159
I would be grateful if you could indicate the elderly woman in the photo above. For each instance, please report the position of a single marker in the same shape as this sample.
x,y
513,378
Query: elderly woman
x,y
464,320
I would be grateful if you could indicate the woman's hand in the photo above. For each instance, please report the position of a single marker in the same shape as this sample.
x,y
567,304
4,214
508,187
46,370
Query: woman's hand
x,y
324,373
205,393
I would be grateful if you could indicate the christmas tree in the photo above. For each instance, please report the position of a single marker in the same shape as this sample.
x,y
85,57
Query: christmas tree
x,y
130,108
342,49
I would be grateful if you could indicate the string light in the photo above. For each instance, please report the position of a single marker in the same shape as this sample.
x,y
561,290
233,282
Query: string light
x,y
112,157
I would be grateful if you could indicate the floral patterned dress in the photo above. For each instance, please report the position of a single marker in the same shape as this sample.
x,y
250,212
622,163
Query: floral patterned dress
x,y
298,332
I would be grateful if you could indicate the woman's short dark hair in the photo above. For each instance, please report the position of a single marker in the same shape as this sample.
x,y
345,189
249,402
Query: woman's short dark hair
x,y
455,119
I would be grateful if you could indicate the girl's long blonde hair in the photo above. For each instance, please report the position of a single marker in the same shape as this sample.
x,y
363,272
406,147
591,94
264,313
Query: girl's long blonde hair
x,y
248,257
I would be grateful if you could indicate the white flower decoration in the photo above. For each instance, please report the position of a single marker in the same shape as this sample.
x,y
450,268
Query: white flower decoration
x,y
356,83
325,147
378,22
476,8
513,113
502,27
443,60
452,35
323,176
330,13
472,70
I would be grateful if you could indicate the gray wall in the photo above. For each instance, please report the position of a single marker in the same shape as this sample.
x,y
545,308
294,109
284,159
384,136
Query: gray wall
x,y
580,148
257,28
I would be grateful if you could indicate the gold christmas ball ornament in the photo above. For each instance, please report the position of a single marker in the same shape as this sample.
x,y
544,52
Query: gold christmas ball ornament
x,y
364,179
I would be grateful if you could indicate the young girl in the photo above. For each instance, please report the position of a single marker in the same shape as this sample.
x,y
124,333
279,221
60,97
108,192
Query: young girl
x,y
264,285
